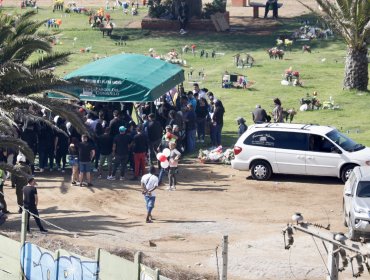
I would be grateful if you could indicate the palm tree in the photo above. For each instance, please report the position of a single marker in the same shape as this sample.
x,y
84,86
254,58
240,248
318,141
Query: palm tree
x,y
23,80
351,20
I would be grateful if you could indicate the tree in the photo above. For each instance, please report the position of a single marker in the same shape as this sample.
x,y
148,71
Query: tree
x,y
23,80
351,20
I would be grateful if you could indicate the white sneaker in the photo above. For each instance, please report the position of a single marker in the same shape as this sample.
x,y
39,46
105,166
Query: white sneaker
x,y
173,188
42,170
111,178
182,30
169,188
122,178
63,171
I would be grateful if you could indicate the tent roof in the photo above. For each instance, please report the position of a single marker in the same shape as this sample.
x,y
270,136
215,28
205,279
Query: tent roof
x,y
126,77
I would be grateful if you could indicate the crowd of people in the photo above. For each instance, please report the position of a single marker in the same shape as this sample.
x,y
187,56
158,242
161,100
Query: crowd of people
x,y
177,121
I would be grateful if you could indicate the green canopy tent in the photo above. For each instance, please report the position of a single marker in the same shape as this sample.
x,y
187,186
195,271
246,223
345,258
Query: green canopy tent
x,y
123,78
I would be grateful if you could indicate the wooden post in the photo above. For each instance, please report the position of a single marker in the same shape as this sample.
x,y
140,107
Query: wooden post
x,y
23,237
333,260
156,276
57,258
137,260
224,257
97,258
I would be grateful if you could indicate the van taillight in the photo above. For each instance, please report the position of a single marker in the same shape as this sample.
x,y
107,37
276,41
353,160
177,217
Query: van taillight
x,y
237,150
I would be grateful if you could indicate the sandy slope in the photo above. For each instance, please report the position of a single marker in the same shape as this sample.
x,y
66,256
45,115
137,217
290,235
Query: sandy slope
x,y
211,200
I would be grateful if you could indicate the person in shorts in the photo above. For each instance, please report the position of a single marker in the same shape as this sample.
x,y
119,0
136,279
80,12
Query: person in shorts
x,y
149,182
86,153
73,162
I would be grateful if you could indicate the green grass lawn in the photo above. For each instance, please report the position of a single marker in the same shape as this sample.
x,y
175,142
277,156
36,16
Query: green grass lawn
x,y
321,71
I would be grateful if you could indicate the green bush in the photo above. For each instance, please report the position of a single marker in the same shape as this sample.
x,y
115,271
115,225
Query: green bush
x,y
157,9
217,6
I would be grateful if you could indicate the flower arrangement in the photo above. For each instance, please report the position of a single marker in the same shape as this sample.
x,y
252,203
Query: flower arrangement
x,y
291,77
216,155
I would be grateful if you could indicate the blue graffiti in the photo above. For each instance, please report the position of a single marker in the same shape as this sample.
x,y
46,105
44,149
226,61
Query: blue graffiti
x,y
41,265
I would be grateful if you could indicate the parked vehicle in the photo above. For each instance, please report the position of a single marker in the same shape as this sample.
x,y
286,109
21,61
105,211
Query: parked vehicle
x,y
301,149
356,203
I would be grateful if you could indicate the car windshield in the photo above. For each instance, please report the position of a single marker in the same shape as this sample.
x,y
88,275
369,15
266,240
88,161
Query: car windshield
x,y
363,189
344,142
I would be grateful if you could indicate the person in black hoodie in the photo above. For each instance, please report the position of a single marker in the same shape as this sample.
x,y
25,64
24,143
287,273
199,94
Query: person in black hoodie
x,y
201,112
61,145
45,143
217,123
29,135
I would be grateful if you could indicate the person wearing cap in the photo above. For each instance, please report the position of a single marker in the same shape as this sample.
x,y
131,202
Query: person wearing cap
x,y
86,153
120,152
30,201
19,180
259,115
242,126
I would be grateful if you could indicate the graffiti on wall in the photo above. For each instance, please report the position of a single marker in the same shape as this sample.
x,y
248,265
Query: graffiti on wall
x,y
41,265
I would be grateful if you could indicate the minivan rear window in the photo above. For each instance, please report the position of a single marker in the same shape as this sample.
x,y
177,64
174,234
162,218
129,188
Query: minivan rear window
x,y
363,189
278,139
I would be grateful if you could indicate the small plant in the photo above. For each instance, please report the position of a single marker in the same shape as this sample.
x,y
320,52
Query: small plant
x,y
217,6
157,9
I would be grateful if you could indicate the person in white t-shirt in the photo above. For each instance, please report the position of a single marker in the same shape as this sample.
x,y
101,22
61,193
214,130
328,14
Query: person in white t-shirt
x,y
173,160
149,182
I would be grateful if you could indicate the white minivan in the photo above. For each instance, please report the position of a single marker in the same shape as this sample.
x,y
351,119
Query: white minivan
x,y
301,149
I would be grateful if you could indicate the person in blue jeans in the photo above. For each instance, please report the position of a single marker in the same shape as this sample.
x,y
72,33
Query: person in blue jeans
x,y
86,153
149,182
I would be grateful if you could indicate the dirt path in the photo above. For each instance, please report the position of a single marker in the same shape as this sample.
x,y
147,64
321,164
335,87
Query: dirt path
x,y
211,200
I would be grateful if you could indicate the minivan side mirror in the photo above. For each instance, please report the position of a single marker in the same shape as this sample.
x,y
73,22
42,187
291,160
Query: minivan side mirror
x,y
348,193
336,150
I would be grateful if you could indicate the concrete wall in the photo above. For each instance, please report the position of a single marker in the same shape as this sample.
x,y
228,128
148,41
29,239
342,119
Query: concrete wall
x,y
36,263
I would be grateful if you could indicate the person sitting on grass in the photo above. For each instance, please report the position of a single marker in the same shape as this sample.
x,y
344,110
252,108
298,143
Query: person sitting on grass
x,y
149,182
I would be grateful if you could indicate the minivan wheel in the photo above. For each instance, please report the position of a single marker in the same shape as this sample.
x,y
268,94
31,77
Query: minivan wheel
x,y
346,171
261,170
352,234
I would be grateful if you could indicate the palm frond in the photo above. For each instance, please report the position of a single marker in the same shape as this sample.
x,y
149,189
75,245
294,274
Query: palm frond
x,y
14,170
17,144
22,47
50,60
66,111
28,27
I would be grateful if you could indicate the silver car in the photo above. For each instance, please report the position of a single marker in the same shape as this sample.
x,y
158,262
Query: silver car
x,y
356,203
